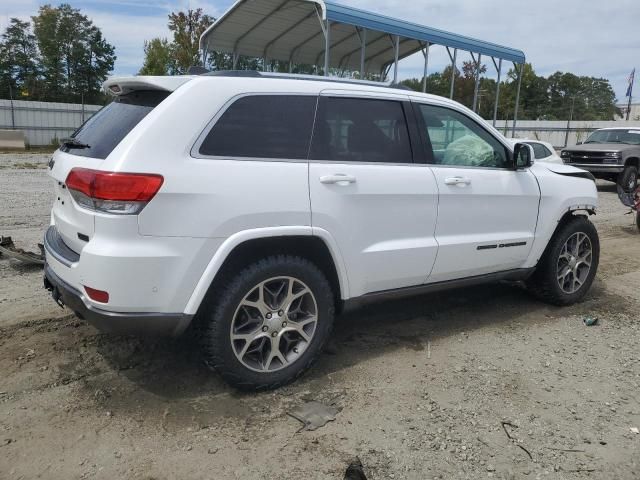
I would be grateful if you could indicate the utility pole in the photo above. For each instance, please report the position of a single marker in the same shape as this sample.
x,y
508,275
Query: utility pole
x,y
566,135
630,91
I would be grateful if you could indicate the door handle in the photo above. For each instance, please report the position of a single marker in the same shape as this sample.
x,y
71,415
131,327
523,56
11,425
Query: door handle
x,y
462,181
338,178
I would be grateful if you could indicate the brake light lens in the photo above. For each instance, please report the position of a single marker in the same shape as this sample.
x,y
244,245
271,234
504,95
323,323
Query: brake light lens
x,y
97,295
112,192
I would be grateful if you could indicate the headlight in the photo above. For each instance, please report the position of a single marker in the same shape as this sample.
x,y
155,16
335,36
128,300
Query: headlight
x,y
564,154
612,154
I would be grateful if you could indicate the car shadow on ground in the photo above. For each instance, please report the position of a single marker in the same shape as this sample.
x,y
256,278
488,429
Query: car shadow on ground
x,y
172,370
609,187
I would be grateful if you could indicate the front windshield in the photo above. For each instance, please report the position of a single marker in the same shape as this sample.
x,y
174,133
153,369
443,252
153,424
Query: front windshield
x,y
626,136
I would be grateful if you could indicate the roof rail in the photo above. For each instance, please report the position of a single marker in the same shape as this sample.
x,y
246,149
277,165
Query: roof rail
x,y
232,73
295,76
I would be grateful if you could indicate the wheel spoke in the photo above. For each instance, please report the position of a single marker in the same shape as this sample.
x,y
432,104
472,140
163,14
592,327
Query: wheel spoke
x,y
584,260
274,353
292,297
248,338
576,283
299,327
258,304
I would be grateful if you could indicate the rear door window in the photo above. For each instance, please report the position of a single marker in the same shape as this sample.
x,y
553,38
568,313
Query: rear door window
x,y
99,135
263,126
361,130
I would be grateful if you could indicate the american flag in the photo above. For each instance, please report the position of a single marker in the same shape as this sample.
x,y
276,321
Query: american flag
x,y
630,87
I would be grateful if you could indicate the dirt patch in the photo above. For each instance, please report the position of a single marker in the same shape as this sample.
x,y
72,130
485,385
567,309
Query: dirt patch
x,y
475,383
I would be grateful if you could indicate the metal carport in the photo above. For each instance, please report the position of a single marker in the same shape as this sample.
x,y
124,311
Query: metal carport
x,y
302,31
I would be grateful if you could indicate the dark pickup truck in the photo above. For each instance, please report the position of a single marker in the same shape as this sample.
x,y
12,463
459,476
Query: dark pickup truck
x,y
610,153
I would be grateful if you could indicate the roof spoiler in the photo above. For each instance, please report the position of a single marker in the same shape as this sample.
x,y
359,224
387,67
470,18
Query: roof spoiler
x,y
122,85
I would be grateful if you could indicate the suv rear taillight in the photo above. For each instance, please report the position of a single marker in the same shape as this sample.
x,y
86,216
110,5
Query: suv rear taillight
x,y
112,192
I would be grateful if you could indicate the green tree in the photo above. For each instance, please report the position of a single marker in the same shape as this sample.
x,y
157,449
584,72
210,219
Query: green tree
x,y
187,28
158,58
19,62
162,57
76,58
591,98
534,96
541,98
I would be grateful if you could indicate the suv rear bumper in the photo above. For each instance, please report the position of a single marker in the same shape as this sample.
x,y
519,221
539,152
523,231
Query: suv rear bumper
x,y
164,324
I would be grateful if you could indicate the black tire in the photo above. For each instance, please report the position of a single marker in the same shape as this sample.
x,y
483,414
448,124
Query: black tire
x,y
219,311
638,220
544,283
628,179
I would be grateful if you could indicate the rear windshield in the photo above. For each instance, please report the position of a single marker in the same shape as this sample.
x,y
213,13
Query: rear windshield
x,y
99,135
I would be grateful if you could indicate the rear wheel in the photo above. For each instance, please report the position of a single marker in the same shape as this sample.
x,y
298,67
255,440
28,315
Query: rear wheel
x,y
628,179
568,266
269,324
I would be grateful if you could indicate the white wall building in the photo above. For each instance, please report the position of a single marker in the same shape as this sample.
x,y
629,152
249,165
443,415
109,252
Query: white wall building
x,y
635,111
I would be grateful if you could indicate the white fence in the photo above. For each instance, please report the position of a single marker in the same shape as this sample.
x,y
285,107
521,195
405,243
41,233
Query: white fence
x,y
556,132
44,123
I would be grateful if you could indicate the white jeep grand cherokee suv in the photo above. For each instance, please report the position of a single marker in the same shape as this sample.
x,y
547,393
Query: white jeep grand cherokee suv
x,y
257,205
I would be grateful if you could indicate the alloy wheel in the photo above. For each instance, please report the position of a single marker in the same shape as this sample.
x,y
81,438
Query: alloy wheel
x,y
574,262
274,324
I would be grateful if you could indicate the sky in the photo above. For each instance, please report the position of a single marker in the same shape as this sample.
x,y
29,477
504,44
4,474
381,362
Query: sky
x,y
585,37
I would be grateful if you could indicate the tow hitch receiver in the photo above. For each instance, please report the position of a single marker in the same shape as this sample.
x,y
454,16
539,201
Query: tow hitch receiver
x,y
55,294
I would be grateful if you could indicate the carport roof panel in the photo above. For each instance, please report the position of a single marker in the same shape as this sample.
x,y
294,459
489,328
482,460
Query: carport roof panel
x,y
283,29
374,21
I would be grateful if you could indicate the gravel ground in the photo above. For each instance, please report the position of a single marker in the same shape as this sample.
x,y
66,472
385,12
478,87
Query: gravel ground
x,y
477,383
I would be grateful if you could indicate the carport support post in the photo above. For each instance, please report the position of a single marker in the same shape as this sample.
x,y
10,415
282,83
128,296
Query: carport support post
x,y
327,48
425,52
204,57
234,56
396,49
477,85
453,69
515,110
363,51
495,107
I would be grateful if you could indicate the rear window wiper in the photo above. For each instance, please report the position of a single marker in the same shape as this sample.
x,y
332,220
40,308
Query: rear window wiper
x,y
73,143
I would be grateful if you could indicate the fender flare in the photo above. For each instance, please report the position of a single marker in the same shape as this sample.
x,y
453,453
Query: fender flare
x,y
238,238
559,217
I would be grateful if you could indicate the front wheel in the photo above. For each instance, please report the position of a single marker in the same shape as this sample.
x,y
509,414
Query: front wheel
x,y
569,264
628,179
269,324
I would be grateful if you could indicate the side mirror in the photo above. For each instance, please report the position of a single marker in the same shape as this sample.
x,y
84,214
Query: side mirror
x,y
522,156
